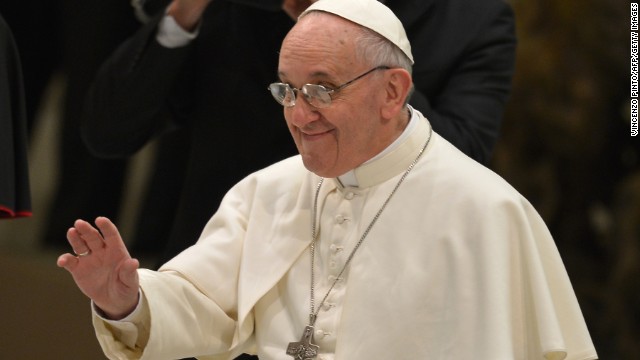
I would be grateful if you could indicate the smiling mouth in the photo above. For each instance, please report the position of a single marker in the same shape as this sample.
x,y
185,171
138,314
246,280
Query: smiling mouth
x,y
308,136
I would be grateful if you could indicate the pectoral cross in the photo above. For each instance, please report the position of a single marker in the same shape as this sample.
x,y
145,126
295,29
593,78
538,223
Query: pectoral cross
x,y
304,349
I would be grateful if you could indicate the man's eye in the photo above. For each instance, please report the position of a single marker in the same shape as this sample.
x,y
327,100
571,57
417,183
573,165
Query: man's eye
x,y
327,86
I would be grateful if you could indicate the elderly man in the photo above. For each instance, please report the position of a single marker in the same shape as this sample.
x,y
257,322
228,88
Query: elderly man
x,y
379,241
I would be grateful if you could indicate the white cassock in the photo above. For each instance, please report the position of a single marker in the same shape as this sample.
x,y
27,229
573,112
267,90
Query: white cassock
x,y
458,266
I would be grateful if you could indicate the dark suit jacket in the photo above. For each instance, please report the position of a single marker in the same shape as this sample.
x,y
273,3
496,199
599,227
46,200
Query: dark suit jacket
x,y
216,88
15,198
464,52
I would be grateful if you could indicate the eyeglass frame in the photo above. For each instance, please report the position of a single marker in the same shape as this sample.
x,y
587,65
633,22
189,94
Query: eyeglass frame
x,y
327,90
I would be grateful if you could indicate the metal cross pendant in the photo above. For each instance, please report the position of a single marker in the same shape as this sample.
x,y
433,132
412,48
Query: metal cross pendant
x,y
304,349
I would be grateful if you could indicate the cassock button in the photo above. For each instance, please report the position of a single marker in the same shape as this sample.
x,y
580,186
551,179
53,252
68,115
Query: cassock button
x,y
340,219
349,195
319,334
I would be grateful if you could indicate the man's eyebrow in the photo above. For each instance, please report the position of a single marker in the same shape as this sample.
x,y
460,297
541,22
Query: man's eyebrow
x,y
315,75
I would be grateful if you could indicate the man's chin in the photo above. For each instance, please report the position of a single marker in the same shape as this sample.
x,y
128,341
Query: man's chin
x,y
312,164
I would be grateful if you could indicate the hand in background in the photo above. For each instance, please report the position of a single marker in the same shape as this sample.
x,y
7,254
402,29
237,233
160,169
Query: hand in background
x,y
294,8
187,13
102,268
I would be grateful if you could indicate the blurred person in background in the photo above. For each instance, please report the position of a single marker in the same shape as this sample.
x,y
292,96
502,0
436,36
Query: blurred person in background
x,y
71,38
15,196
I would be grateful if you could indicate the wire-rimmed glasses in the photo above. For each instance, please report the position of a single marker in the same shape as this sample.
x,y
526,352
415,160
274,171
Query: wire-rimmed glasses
x,y
318,96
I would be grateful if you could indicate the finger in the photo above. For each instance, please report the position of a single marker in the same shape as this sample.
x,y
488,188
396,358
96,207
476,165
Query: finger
x,y
77,243
91,236
110,233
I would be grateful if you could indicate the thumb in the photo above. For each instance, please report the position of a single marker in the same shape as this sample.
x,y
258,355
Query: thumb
x,y
128,273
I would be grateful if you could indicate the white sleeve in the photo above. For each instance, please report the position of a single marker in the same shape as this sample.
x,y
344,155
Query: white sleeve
x,y
131,331
171,35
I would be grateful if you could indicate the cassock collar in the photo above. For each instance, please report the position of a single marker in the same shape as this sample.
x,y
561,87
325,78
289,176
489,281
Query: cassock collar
x,y
393,160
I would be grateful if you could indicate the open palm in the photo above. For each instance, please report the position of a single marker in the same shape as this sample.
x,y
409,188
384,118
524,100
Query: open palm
x,y
103,268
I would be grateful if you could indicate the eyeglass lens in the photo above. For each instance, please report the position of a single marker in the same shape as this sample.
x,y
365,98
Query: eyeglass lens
x,y
316,95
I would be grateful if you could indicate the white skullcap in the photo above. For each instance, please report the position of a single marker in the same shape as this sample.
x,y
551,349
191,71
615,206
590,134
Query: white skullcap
x,y
371,14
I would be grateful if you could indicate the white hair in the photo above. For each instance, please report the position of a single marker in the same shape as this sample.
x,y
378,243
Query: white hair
x,y
376,50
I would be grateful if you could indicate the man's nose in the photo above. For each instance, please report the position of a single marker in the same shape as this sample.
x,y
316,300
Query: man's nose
x,y
303,113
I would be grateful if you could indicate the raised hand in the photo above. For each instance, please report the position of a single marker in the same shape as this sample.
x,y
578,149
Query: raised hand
x,y
187,13
102,267
294,8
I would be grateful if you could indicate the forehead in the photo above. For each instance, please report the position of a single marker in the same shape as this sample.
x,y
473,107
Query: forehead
x,y
322,41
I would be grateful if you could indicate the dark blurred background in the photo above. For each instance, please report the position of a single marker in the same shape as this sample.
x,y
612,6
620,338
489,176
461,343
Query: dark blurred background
x,y
565,145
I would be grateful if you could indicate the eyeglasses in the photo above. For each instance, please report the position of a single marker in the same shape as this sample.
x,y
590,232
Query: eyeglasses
x,y
318,96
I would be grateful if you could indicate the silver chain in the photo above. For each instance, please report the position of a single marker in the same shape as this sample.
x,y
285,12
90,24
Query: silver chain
x,y
313,313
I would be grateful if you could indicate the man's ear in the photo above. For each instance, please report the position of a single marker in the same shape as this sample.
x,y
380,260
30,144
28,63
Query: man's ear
x,y
397,86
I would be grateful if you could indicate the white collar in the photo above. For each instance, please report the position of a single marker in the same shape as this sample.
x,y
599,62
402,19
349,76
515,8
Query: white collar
x,y
361,176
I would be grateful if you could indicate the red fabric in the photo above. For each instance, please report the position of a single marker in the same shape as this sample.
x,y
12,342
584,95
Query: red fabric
x,y
5,213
